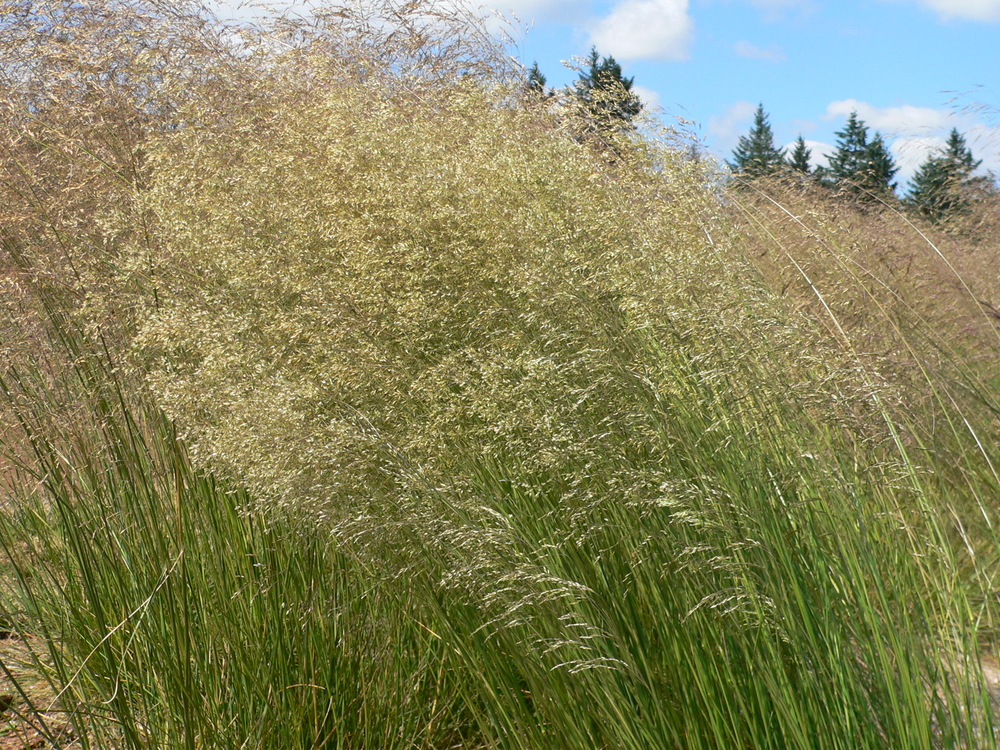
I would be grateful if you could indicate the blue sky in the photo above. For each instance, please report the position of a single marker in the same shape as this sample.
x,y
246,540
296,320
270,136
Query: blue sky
x,y
911,68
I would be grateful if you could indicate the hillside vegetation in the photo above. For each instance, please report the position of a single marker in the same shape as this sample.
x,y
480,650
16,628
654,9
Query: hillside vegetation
x,y
355,396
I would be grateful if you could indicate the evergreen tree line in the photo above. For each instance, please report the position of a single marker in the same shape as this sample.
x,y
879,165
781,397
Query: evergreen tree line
x,y
862,167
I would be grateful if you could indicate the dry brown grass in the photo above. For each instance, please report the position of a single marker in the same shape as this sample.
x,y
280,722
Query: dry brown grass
x,y
30,717
900,293
916,305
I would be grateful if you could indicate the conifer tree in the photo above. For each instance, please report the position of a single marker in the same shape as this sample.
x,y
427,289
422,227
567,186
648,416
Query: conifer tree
x,y
860,167
941,186
799,158
876,180
958,151
848,161
536,81
606,94
755,154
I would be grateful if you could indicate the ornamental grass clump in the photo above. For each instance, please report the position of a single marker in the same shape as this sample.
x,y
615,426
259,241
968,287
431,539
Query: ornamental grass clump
x,y
917,306
396,409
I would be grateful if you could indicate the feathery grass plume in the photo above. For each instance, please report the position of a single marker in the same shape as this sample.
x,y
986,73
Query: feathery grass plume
x,y
83,87
513,445
488,355
162,615
915,304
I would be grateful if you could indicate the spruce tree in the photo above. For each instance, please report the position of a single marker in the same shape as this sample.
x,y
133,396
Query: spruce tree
x,y
536,81
848,161
960,154
880,168
859,167
755,154
798,160
941,186
606,95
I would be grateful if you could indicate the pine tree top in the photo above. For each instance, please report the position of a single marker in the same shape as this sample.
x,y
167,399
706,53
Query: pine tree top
x,y
860,166
942,185
755,154
536,81
799,158
604,69
606,92
852,143
958,151
880,166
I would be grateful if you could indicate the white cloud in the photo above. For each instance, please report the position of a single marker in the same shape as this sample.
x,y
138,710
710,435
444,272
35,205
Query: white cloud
x,y
726,130
650,98
915,132
984,140
749,51
900,120
910,152
973,10
645,30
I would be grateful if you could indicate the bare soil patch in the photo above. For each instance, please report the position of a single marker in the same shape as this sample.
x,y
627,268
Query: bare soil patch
x,y
32,719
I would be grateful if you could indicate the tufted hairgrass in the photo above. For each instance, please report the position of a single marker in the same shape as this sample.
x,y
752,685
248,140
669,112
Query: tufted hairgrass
x,y
360,401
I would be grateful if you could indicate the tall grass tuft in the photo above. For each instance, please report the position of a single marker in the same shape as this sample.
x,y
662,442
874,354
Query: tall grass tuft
x,y
391,412
163,614
916,305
